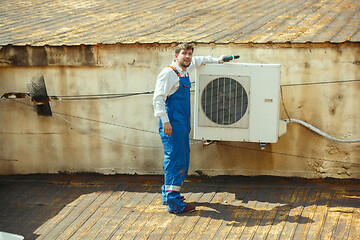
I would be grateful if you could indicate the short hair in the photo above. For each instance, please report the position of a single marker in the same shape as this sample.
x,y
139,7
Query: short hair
x,y
184,46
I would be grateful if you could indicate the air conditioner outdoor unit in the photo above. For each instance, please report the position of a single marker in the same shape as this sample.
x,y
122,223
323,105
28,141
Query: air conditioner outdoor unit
x,y
238,102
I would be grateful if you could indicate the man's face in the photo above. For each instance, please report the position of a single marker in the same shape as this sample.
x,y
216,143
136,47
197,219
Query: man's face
x,y
184,58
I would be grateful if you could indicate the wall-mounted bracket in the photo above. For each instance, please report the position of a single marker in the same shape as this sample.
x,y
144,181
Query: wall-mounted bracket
x,y
262,146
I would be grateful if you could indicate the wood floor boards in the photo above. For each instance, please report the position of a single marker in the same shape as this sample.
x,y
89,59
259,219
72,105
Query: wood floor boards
x,y
129,207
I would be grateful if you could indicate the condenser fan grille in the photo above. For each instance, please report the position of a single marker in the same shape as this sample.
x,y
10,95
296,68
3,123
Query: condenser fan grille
x,y
224,101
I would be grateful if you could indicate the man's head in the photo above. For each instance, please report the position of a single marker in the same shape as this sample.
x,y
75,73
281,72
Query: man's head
x,y
184,46
183,54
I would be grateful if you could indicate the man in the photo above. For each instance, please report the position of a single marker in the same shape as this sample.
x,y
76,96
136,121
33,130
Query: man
x,y
172,105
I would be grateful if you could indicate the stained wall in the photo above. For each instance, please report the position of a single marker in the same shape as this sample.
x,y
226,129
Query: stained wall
x,y
320,85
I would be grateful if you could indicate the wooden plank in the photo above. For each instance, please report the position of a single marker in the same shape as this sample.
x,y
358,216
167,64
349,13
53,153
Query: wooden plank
x,y
244,212
336,207
153,215
320,214
294,214
92,214
86,208
343,226
178,220
286,199
136,229
307,214
123,208
231,204
12,201
330,223
71,212
51,202
349,221
354,232
138,204
11,192
113,219
69,199
106,212
27,208
256,216
209,207
264,225
192,218
164,219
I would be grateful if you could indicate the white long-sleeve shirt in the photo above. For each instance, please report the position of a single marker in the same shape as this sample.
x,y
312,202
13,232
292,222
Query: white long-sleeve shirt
x,y
168,82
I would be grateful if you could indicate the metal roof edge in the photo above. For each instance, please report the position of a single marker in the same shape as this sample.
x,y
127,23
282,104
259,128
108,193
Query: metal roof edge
x,y
251,44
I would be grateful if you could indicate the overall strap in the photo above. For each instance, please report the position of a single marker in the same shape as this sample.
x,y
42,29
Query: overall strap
x,y
176,71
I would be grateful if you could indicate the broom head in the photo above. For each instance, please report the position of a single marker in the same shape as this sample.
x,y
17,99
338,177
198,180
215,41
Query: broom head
x,y
39,96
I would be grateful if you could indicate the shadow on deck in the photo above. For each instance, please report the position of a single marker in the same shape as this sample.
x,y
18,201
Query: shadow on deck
x,y
90,206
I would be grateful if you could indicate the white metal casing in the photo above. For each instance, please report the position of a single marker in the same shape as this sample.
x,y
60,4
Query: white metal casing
x,y
259,123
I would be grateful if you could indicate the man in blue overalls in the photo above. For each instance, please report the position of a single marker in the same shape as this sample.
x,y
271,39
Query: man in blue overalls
x,y
172,105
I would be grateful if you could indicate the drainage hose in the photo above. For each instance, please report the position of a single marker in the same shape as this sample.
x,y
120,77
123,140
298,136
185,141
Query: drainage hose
x,y
320,132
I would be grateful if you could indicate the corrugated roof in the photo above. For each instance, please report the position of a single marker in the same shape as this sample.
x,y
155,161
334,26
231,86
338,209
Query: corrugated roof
x,y
69,22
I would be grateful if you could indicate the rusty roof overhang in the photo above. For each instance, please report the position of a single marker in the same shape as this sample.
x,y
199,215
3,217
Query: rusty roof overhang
x,y
85,22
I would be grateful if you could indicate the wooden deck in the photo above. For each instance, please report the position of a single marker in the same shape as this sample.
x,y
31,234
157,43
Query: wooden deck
x,y
129,207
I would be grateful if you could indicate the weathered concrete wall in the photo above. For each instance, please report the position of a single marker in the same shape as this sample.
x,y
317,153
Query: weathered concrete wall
x,y
33,144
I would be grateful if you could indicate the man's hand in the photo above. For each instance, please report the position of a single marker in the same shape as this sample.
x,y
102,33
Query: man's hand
x,y
167,128
221,59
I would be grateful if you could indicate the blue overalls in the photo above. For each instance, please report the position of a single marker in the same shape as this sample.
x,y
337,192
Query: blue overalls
x,y
176,147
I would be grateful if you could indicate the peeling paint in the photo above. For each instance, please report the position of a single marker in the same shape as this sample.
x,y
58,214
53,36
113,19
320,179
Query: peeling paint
x,y
51,145
49,56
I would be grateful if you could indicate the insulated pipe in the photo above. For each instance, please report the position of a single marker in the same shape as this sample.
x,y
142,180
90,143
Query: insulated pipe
x,y
319,131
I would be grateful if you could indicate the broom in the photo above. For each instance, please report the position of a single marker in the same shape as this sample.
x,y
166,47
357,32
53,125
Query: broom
x,y
39,96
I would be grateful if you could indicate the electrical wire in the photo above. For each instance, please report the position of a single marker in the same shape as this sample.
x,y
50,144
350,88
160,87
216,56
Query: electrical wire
x,y
288,154
93,97
110,96
102,96
112,140
107,123
120,95
102,137
158,147
119,125
307,125
99,96
319,83
282,100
